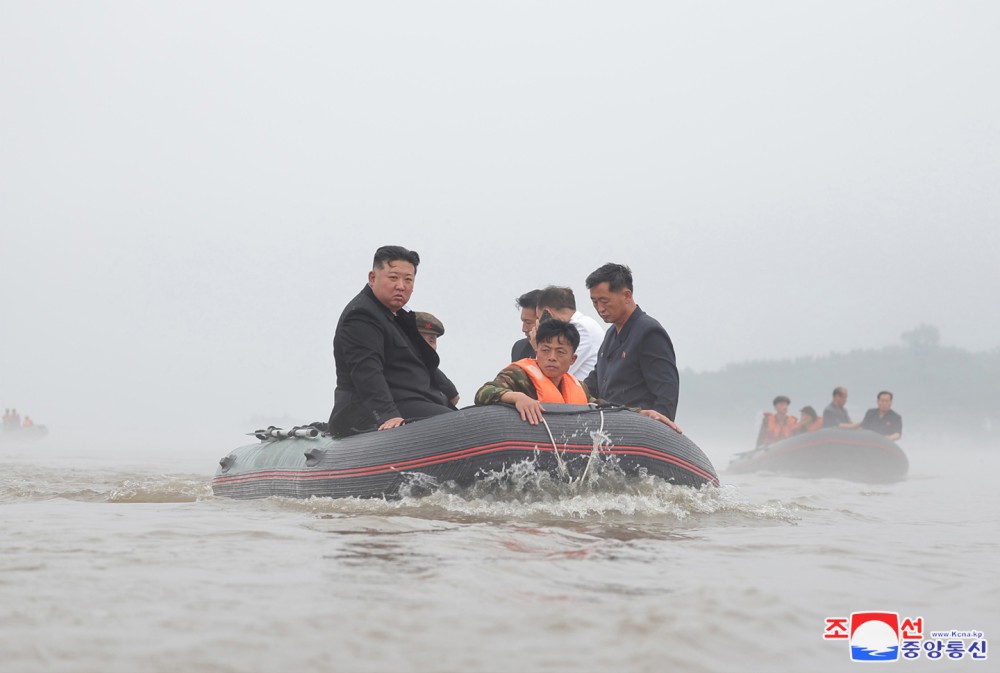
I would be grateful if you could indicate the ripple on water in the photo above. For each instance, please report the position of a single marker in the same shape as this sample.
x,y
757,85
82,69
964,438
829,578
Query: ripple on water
x,y
29,482
160,489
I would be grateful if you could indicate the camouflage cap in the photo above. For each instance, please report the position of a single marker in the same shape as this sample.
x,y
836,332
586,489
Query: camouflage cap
x,y
426,322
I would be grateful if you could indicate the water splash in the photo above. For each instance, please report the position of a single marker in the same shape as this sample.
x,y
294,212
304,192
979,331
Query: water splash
x,y
525,491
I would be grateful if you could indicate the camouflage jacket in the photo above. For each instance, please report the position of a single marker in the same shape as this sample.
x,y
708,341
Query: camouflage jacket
x,y
513,379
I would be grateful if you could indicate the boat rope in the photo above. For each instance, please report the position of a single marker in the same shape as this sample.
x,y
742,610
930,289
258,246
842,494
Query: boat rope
x,y
555,449
593,454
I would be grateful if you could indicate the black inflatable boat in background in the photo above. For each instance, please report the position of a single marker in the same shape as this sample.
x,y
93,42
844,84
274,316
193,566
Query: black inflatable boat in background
x,y
855,455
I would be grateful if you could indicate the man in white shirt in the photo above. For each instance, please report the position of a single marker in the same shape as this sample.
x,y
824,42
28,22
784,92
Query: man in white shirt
x,y
561,303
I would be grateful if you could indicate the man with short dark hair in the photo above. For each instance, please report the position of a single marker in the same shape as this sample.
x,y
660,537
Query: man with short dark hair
x,y
636,366
560,302
527,302
530,382
835,415
385,369
779,425
883,419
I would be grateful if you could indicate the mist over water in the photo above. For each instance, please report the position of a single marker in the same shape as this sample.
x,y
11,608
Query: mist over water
x,y
190,196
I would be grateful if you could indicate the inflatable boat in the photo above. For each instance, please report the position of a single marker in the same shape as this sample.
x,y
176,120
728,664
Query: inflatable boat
x,y
855,455
23,434
460,447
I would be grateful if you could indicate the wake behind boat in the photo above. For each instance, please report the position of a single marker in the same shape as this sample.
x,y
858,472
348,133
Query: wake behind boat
x,y
461,447
855,455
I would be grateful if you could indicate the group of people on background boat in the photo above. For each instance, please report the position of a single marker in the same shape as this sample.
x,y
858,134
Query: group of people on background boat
x,y
388,369
780,424
12,420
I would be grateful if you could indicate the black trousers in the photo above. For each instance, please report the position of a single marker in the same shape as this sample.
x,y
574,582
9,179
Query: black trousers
x,y
414,410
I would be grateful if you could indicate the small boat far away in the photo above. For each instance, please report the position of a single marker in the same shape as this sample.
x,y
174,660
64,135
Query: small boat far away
x,y
854,455
23,434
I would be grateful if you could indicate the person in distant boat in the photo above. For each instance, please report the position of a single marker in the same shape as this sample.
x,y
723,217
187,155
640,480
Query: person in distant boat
x,y
808,421
8,420
430,329
835,415
777,426
530,383
636,366
522,348
27,422
883,419
560,302
386,371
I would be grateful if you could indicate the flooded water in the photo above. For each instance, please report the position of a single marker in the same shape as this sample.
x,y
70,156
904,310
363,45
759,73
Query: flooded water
x,y
117,560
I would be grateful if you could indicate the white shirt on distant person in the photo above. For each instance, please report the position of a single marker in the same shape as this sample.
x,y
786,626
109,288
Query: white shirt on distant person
x,y
591,338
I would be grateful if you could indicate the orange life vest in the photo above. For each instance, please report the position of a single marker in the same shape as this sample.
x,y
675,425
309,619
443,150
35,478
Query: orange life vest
x,y
572,391
775,430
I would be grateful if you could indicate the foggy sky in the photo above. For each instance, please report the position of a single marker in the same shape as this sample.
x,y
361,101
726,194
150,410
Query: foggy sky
x,y
191,192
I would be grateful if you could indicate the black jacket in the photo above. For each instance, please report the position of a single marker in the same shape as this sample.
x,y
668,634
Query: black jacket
x,y
636,367
381,360
444,384
521,349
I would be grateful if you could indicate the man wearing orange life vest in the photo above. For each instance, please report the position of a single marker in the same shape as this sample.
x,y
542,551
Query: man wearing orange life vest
x,y
531,382
777,426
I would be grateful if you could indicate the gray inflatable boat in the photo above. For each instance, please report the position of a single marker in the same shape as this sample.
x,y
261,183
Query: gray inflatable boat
x,y
460,447
855,455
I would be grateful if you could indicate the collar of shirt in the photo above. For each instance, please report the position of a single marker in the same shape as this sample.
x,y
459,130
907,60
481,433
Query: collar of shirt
x,y
621,336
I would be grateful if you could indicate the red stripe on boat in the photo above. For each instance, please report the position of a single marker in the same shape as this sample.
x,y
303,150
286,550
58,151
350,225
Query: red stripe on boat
x,y
309,474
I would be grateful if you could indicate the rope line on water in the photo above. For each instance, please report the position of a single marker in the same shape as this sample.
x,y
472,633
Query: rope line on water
x,y
593,454
555,449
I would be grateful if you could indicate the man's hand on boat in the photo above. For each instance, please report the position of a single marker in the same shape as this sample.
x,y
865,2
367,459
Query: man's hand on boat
x,y
530,409
657,416
392,423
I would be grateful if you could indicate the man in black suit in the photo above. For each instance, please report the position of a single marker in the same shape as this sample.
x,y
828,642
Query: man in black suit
x,y
636,366
386,372
883,419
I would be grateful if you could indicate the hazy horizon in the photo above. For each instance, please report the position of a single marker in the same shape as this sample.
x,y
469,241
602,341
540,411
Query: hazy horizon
x,y
190,193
